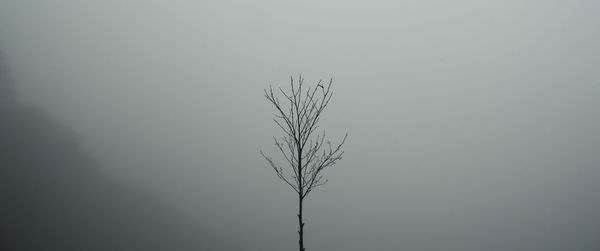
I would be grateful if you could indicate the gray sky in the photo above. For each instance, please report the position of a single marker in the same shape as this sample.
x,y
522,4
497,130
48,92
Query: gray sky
x,y
473,125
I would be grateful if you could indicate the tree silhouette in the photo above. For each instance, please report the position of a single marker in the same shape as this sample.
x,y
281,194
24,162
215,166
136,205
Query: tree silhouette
x,y
306,152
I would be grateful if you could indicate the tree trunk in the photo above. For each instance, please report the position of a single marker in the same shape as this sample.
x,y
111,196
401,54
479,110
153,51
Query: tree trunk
x,y
300,197
300,224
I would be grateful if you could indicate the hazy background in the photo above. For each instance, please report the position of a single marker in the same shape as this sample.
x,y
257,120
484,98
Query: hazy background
x,y
472,125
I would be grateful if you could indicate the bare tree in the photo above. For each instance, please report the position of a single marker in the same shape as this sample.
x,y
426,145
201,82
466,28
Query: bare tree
x,y
306,152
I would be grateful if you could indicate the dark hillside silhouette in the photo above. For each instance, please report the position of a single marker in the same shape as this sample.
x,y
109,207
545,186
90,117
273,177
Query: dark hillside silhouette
x,y
53,196
6,87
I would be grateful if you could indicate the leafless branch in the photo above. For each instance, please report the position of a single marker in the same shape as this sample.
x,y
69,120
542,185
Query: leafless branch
x,y
307,153
304,152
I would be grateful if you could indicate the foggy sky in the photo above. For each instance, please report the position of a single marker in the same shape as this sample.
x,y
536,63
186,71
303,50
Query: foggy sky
x,y
472,125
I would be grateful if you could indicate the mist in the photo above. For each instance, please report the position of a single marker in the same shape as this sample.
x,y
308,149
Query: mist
x,y
137,125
